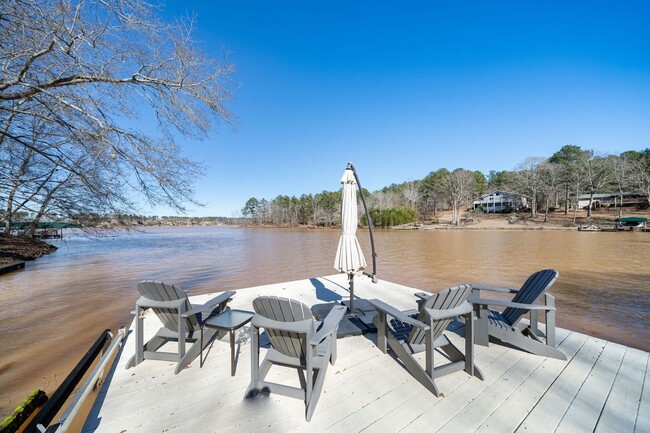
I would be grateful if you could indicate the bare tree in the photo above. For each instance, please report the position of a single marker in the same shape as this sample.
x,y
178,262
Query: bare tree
x,y
621,168
459,186
411,192
550,183
597,174
529,181
385,199
86,70
640,173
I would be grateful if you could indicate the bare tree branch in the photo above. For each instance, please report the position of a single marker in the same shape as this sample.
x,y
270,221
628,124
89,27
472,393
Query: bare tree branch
x,y
82,72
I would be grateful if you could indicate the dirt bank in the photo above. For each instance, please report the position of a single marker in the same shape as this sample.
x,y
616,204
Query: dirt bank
x,y
20,248
521,221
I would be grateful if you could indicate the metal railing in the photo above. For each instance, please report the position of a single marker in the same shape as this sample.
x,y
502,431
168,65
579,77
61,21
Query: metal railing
x,y
63,392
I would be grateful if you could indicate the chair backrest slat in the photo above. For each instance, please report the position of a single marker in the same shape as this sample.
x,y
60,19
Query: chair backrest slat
x,y
445,300
534,287
158,291
284,310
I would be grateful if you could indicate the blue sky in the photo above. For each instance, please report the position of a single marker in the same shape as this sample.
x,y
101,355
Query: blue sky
x,y
405,88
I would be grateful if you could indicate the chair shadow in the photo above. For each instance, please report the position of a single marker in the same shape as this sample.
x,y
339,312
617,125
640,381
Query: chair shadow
x,y
323,293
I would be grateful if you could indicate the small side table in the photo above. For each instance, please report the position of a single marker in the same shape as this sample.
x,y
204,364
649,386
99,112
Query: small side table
x,y
229,320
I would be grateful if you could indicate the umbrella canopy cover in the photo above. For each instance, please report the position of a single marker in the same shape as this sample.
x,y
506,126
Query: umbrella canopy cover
x,y
349,257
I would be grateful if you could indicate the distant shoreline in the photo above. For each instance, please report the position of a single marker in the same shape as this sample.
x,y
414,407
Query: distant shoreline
x,y
13,248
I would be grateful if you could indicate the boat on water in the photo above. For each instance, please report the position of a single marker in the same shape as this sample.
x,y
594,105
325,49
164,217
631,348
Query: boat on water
x,y
589,228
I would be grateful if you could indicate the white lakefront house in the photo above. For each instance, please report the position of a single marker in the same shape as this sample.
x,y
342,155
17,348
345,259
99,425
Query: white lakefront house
x,y
500,201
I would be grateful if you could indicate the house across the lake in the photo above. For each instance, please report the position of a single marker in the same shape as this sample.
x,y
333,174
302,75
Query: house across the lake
x,y
500,201
613,199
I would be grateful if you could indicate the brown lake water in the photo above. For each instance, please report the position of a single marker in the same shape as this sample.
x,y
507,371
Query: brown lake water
x,y
52,312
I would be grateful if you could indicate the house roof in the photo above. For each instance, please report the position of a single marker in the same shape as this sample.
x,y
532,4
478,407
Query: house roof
x,y
609,194
506,193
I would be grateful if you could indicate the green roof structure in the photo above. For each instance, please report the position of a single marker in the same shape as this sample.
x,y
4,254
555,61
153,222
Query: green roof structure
x,y
632,220
45,225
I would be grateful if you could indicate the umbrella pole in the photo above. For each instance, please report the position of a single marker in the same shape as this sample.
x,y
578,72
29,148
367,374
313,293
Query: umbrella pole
x,y
351,281
372,239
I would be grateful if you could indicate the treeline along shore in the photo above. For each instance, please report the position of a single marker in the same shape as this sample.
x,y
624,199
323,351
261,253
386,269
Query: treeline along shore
x,y
559,191
542,185
567,182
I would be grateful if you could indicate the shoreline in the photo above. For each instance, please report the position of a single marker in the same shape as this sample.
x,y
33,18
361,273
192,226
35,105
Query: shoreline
x,y
19,248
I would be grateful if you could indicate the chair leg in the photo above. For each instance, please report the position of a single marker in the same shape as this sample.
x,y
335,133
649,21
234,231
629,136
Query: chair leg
x,y
469,344
534,323
481,324
181,334
309,372
381,324
429,363
195,350
301,378
319,379
139,338
550,321
138,356
413,366
333,339
255,362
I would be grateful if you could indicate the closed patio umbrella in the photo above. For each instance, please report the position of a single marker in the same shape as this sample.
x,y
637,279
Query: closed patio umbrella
x,y
349,257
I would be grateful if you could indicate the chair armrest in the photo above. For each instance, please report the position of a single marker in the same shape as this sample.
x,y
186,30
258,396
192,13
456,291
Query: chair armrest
x,y
422,295
500,303
461,310
330,324
150,303
495,289
212,303
394,312
301,327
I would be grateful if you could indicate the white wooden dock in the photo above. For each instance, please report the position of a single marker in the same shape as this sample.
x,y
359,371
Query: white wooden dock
x,y
603,387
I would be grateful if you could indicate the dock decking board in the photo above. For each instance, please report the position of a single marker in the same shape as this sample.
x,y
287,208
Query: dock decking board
x,y
643,414
478,410
548,412
449,406
603,385
519,403
586,406
622,406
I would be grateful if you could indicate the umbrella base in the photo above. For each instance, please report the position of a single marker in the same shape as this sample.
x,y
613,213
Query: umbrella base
x,y
361,308
351,325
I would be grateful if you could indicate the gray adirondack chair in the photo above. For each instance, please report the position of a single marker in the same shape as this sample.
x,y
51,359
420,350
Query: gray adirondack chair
x,y
181,323
410,332
508,327
295,342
